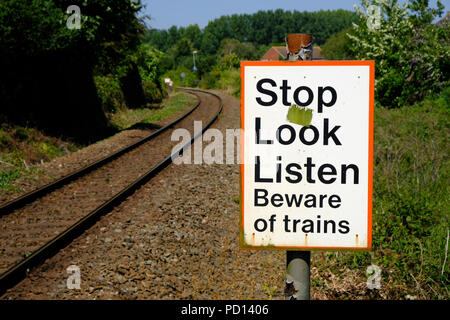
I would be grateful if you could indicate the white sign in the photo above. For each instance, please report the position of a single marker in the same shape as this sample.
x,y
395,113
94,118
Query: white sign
x,y
307,154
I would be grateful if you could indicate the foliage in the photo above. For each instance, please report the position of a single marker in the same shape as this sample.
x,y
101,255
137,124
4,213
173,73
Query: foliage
x,y
148,59
228,80
228,62
113,93
152,93
242,50
261,28
410,203
35,27
110,93
337,47
175,103
23,147
190,77
226,41
412,57
45,65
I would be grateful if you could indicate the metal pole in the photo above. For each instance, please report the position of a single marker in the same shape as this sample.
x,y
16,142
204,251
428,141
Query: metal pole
x,y
299,47
297,275
193,55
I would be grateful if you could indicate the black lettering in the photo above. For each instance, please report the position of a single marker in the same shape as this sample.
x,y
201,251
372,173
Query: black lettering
x,y
331,201
286,223
321,103
263,197
291,138
355,169
267,92
285,88
330,134
315,137
344,228
278,177
295,222
326,223
292,199
309,165
258,129
258,172
293,172
308,226
310,201
297,99
258,222
276,198
322,173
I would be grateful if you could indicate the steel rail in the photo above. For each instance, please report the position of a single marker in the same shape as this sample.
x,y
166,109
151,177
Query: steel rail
x,y
17,272
41,191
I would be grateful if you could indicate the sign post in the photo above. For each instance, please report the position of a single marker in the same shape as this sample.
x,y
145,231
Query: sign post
x,y
298,263
307,145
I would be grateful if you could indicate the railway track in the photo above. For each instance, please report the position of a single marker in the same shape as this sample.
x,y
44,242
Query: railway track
x,y
37,225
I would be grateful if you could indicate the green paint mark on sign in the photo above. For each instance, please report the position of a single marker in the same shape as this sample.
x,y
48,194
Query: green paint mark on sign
x,y
299,115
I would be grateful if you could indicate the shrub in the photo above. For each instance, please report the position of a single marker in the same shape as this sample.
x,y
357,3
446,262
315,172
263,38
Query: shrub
x,y
337,46
228,62
152,92
190,77
110,93
412,56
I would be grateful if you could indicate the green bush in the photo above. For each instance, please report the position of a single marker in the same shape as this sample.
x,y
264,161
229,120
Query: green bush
x,y
5,141
110,93
190,77
152,92
337,47
410,198
412,56
228,80
228,62
210,80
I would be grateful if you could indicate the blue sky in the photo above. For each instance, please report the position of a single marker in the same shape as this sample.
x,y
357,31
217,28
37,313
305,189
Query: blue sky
x,y
165,13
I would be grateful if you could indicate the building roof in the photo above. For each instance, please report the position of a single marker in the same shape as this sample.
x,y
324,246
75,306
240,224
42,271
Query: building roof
x,y
282,51
317,53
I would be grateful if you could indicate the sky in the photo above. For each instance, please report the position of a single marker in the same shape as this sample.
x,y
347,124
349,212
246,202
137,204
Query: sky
x,y
166,13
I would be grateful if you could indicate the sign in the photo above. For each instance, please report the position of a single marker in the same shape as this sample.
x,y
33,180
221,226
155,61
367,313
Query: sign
x,y
306,151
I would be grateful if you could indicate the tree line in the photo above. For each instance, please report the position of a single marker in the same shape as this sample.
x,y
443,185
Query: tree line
x,y
261,28
226,40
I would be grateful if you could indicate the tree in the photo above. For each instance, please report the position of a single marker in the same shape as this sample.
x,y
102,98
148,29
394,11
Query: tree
x,y
412,56
244,51
45,66
337,47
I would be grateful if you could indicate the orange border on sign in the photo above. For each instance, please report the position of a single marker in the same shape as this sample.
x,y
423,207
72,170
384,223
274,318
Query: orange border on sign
x,y
371,65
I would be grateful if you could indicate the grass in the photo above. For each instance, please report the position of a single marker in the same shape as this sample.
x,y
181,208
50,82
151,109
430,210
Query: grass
x,y
23,147
270,291
410,203
6,179
176,103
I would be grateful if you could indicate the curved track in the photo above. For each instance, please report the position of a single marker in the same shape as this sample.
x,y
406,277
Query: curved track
x,y
40,223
